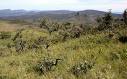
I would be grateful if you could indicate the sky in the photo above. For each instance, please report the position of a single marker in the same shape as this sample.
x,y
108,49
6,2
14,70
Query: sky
x,y
76,5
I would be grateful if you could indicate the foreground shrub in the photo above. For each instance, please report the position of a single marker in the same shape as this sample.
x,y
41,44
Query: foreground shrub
x,y
20,45
41,42
46,65
121,55
114,56
123,39
82,68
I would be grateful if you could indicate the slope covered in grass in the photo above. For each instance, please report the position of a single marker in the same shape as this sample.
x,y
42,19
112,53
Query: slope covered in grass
x,y
92,56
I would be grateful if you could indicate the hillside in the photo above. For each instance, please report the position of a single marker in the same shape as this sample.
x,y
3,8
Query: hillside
x,y
8,12
31,53
86,16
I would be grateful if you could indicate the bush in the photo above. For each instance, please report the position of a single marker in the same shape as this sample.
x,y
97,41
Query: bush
x,y
46,65
5,35
119,55
40,42
123,54
76,31
63,35
18,35
105,22
114,56
81,68
123,39
43,24
20,45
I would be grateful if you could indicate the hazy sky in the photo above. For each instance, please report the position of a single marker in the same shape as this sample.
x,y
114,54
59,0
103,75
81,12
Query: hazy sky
x,y
116,5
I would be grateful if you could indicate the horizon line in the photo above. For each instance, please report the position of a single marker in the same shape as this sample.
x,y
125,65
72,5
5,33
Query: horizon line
x,y
59,10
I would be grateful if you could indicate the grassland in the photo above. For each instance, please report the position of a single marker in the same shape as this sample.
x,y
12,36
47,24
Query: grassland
x,y
109,55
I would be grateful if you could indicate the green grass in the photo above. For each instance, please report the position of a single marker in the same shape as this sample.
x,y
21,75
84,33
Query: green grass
x,y
109,55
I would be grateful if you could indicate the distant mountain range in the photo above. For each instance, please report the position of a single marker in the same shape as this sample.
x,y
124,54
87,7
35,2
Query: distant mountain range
x,y
8,12
59,15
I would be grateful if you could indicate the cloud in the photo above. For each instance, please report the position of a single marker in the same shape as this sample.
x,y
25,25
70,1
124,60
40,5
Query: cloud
x,y
116,5
43,2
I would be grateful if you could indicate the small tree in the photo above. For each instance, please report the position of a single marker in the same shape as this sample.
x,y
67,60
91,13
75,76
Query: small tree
x,y
105,22
125,16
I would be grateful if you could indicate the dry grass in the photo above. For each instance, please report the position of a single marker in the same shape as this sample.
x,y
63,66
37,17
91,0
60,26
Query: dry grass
x,y
109,56
9,27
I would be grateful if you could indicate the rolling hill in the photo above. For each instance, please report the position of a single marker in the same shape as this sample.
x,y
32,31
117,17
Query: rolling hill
x,y
85,16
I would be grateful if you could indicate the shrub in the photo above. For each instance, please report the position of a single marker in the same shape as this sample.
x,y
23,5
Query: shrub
x,y
123,39
54,26
123,54
5,35
63,35
111,35
119,55
76,31
18,35
43,24
67,24
105,22
46,65
20,45
81,68
40,42
114,56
